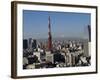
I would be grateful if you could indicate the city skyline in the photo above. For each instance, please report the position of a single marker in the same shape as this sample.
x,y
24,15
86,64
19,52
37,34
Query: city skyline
x,y
63,24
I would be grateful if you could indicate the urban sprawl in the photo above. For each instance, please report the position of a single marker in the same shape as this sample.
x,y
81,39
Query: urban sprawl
x,y
55,53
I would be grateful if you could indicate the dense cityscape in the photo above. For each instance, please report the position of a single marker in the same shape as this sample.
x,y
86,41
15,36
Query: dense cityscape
x,y
54,53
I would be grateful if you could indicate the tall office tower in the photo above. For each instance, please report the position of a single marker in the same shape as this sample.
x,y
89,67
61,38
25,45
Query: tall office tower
x,y
34,44
30,43
50,36
25,44
89,43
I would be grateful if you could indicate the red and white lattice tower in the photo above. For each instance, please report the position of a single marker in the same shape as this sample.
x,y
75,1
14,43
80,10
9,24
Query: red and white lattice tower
x,y
49,35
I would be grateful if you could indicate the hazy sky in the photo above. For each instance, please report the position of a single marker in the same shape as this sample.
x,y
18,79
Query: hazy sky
x,y
63,24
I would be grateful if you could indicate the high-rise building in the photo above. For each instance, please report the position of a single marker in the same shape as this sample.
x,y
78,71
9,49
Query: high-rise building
x,y
89,43
34,44
50,36
25,44
30,43
89,32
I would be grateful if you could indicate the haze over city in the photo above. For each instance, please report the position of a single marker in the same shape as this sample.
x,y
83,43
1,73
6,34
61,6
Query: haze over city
x,y
63,24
